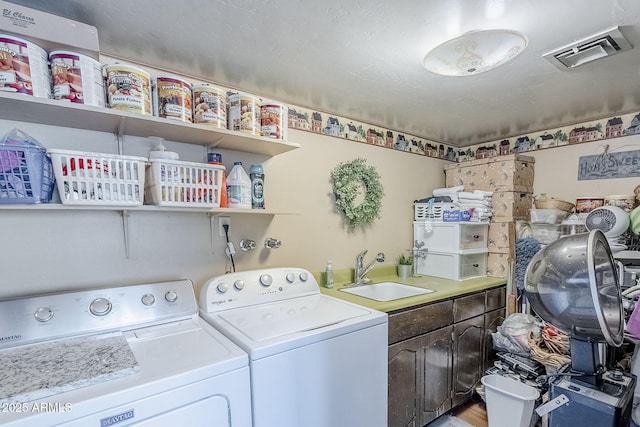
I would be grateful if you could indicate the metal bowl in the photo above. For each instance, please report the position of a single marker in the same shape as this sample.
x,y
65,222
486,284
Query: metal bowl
x,y
572,284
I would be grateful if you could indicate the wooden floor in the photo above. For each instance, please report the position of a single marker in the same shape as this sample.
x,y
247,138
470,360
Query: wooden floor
x,y
473,412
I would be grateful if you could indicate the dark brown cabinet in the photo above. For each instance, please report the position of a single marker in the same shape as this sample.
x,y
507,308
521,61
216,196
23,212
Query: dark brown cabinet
x,y
438,353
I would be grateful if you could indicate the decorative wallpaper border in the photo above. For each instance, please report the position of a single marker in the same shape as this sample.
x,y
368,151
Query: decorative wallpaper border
x,y
340,127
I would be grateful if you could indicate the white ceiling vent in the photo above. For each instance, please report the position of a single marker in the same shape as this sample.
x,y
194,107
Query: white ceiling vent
x,y
587,50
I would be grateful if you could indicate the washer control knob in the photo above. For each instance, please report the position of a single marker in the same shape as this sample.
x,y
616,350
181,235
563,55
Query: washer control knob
x,y
238,284
43,314
616,376
266,280
100,307
171,296
222,288
304,276
290,277
148,299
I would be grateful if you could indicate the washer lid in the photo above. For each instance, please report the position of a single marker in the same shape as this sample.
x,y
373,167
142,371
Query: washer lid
x,y
291,316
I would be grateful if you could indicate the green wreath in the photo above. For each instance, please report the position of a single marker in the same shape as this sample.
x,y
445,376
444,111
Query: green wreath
x,y
348,179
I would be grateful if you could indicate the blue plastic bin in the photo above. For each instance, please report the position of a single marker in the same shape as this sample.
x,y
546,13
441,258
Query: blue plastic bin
x,y
26,175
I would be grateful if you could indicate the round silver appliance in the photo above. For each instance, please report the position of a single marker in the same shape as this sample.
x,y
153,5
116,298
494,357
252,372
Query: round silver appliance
x,y
572,284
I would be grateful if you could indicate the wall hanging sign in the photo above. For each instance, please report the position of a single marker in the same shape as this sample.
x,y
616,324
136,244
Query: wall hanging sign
x,y
625,164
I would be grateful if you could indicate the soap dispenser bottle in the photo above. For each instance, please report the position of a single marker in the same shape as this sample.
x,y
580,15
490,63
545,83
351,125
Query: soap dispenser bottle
x,y
328,274
170,180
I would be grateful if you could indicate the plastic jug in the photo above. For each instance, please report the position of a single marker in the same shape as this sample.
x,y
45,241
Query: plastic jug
x,y
239,187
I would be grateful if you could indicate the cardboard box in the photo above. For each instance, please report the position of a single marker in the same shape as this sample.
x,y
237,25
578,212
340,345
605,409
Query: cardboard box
x,y
511,204
50,32
514,172
502,238
498,264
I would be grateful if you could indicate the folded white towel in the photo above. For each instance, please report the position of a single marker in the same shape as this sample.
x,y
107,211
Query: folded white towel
x,y
465,195
447,191
484,193
469,204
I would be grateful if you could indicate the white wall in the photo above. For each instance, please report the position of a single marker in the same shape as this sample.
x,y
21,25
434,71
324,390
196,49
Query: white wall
x,y
54,250
556,170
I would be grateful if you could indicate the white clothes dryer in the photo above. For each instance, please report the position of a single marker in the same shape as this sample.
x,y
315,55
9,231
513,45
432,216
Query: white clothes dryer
x,y
134,355
315,360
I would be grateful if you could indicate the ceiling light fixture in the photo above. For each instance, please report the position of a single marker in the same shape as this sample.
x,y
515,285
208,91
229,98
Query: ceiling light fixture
x,y
475,52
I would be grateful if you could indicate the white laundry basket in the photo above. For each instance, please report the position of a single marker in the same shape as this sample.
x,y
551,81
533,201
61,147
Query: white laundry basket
x,y
509,402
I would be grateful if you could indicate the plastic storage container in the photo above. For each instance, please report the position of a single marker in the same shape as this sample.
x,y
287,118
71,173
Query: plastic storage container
x,y
85,178
572,225
239,187
451,237
435,212
179,183
626,202
26,175
584,205
509,402
547,216
546,233
454,266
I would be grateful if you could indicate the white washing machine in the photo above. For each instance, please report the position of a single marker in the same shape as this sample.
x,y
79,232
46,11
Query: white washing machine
x,y
135,355
315,360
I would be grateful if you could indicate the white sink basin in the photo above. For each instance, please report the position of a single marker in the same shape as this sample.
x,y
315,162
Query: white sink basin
x,y
386,291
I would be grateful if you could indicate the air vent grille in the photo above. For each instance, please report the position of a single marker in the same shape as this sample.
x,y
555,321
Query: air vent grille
x,y
598,46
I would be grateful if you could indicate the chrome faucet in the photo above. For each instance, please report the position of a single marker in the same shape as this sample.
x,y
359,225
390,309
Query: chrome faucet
x,y
361,271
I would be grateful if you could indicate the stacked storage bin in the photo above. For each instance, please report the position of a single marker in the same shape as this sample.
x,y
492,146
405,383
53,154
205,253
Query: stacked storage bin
x,y
454,250
511,180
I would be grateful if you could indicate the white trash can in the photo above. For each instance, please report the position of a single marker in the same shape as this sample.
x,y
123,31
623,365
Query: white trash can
x,y
509,402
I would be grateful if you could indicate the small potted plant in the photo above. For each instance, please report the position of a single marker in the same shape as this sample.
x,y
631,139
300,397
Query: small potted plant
x,y
405,264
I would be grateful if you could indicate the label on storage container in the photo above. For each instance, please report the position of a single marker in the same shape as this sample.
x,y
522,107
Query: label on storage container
x,y
24,67
273,120
172,98
244,113
128,88
210,106
76,78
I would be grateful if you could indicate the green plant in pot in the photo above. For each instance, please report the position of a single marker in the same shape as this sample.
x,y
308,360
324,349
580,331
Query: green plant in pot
x,y
405,265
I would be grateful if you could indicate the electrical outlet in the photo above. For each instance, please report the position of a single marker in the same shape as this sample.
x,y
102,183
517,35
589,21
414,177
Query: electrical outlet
x,y
222,220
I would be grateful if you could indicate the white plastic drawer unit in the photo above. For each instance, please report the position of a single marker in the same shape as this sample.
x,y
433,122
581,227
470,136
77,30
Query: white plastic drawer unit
x,y
454,266
451,236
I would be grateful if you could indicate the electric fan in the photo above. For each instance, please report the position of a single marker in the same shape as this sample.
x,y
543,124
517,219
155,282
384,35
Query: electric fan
x,y
573,284
612,221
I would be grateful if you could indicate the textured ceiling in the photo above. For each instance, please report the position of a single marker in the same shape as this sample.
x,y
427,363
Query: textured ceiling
x,y
363,59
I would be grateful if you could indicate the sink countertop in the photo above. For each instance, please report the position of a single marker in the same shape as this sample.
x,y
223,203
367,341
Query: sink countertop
x,y
444,288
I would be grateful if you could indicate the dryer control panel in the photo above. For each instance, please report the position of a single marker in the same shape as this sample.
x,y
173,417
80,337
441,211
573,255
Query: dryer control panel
x,y
245,288
45,317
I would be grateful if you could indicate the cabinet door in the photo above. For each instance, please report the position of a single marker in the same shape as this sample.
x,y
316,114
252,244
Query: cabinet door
x,y
492,320
403,374
468,339
435,377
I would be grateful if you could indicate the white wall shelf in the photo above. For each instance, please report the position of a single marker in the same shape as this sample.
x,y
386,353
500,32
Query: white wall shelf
x,y
148,208
30,109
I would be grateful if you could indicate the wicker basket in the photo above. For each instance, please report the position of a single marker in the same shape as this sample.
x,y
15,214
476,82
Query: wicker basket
x,y
554,204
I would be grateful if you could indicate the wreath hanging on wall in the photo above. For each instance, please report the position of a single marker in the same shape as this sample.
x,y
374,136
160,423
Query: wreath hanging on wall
x,y
350,179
